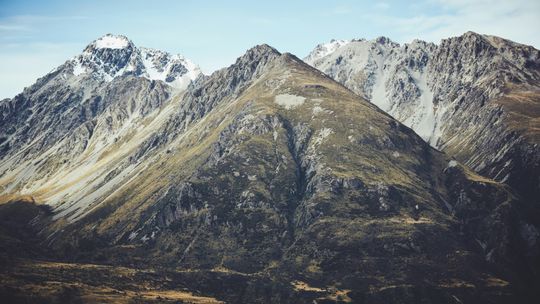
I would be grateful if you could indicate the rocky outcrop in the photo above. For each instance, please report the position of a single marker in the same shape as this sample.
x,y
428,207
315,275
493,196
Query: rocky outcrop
x,y
455,95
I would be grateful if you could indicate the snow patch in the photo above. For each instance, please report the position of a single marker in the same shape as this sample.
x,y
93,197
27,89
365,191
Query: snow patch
x,y
133,235
111,42
160,65
452,164
289,101
317,110
323,133
325,49
78,69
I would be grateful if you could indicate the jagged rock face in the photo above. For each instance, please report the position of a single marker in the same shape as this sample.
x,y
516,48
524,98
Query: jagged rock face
x,y
475,97
325,49
225,84
68,133
111,56
67,136
75,92
273,169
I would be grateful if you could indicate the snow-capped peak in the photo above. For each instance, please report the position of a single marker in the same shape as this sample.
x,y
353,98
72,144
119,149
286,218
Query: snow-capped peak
x,y
325,49
112,56
176,70
111,41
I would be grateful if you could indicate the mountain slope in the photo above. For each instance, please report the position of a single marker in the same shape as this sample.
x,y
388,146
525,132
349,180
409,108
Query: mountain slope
x,y
65,138
274,173
474,97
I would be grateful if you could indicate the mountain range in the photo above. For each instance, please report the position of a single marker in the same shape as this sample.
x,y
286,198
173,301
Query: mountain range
x,y
474,97
368,172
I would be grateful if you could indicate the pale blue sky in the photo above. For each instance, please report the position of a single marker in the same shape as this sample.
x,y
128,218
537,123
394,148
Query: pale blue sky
x,y
36,36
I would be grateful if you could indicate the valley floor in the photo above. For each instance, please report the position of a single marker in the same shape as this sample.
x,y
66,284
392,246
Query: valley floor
x,y
53,282
36,281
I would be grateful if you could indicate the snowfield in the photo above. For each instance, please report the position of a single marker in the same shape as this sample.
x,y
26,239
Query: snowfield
x,y
289,101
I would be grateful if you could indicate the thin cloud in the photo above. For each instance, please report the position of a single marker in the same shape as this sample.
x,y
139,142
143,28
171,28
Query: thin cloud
x,y
261,21
381,6
44,18
12,27
28,23
509,19
342,10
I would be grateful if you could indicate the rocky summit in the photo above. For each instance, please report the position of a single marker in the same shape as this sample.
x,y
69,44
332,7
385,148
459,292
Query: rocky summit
x,y
268,181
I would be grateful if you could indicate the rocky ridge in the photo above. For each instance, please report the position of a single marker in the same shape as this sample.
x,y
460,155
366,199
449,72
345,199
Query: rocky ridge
x,y
474,97
63,133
